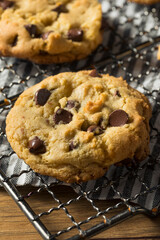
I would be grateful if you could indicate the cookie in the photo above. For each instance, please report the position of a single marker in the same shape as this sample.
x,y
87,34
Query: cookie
x,y
50,31
158,54
73,126
146,1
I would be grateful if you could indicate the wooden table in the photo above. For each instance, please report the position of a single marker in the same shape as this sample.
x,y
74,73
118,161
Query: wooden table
x,y
15,226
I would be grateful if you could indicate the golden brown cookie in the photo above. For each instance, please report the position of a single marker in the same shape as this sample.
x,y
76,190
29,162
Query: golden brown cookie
x,y
49,31
73,126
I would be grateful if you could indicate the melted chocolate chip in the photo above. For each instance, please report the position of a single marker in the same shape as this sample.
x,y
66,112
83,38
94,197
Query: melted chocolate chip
x,y
60,9
73,104
75,34
118,118
41,96
45,35
36,146
95,129
62,116
94,73
6,4
117,93
73,145
32,29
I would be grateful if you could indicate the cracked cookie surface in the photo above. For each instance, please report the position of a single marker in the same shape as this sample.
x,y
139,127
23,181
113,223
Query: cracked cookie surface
x,y
50,31
73,126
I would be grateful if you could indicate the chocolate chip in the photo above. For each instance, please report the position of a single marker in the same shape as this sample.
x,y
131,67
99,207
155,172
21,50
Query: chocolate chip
x,y
73,145
117,93
41,96
73,104
94,73
95,129
118,118
15,40
60,9
62,116
6,4
45,35
36,146
75,34
32,29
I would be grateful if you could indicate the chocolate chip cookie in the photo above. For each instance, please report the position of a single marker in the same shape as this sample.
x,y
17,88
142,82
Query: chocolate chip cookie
x,y
49,31
73,126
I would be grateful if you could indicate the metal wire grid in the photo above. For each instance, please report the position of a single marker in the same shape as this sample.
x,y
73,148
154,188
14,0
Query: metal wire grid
x,y
117,56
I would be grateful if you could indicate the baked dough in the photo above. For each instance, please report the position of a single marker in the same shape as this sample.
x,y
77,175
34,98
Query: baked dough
x,y
73,126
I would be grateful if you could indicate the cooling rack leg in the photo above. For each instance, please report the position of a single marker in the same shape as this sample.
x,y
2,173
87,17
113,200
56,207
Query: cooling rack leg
x,y
23,205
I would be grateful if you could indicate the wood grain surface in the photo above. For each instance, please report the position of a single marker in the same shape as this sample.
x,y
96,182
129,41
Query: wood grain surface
x,y
15,226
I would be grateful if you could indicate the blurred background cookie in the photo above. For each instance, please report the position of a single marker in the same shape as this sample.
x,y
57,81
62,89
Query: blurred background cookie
x,y
46,31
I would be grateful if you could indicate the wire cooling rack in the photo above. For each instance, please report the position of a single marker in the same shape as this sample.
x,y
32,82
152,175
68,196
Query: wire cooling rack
x,y
131,37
